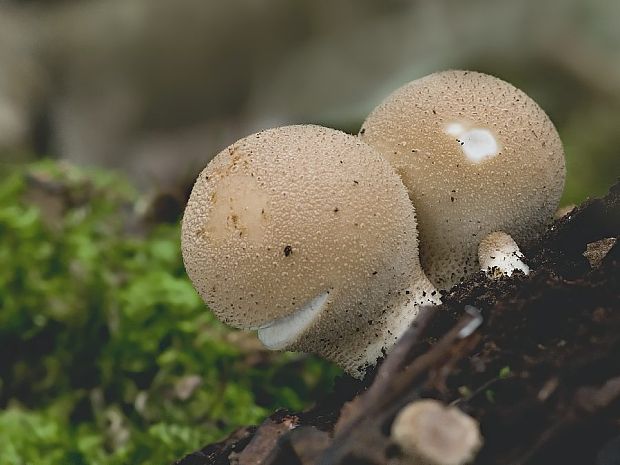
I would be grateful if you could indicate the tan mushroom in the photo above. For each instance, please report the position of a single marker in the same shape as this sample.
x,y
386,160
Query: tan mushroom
x,y
477,155
429,433
307,235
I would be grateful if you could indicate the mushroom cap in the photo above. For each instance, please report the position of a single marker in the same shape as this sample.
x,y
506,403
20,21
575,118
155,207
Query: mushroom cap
x,y
306,234
476,155
430,433
499,255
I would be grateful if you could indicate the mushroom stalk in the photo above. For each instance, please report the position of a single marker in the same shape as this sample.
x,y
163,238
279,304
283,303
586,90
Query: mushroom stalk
x,y
392,325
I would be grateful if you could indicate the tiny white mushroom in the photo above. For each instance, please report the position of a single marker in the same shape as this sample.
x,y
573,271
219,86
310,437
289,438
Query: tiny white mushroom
x,y
499,255
429,433
307,235
477,155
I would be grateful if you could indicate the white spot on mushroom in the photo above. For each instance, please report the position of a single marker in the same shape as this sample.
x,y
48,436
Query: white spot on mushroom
x,y
499,255
478,144
283,332
454,129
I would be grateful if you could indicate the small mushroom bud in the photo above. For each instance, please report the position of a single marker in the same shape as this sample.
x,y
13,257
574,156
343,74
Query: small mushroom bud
x,y
499,255
563,211
477,155
429,433
307,235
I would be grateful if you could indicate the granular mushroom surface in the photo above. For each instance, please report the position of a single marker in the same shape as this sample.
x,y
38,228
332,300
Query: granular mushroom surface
x,y
307,235
477,155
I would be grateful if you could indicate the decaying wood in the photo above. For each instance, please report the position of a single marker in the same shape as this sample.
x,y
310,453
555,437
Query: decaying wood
x,y
536,360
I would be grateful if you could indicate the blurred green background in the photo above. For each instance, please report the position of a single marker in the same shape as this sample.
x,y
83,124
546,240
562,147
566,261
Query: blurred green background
x,y
109,355
109,109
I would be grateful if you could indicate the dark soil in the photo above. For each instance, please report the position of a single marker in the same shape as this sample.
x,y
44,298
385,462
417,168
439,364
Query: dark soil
x,y
535,359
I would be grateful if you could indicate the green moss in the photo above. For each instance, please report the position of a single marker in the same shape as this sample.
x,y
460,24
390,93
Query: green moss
x,y
109,355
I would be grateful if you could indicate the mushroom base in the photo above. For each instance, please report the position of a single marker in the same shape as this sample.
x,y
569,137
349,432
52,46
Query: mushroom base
x,y
358,350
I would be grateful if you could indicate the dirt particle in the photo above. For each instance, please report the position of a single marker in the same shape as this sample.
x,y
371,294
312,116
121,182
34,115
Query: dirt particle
x,y
201,232
596,251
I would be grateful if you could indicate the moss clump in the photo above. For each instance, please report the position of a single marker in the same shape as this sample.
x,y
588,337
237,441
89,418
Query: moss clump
x,y
109,356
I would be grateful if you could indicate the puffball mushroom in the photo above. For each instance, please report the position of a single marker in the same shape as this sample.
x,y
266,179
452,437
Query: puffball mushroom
x,y
477,155
307,235
499,255
429,433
